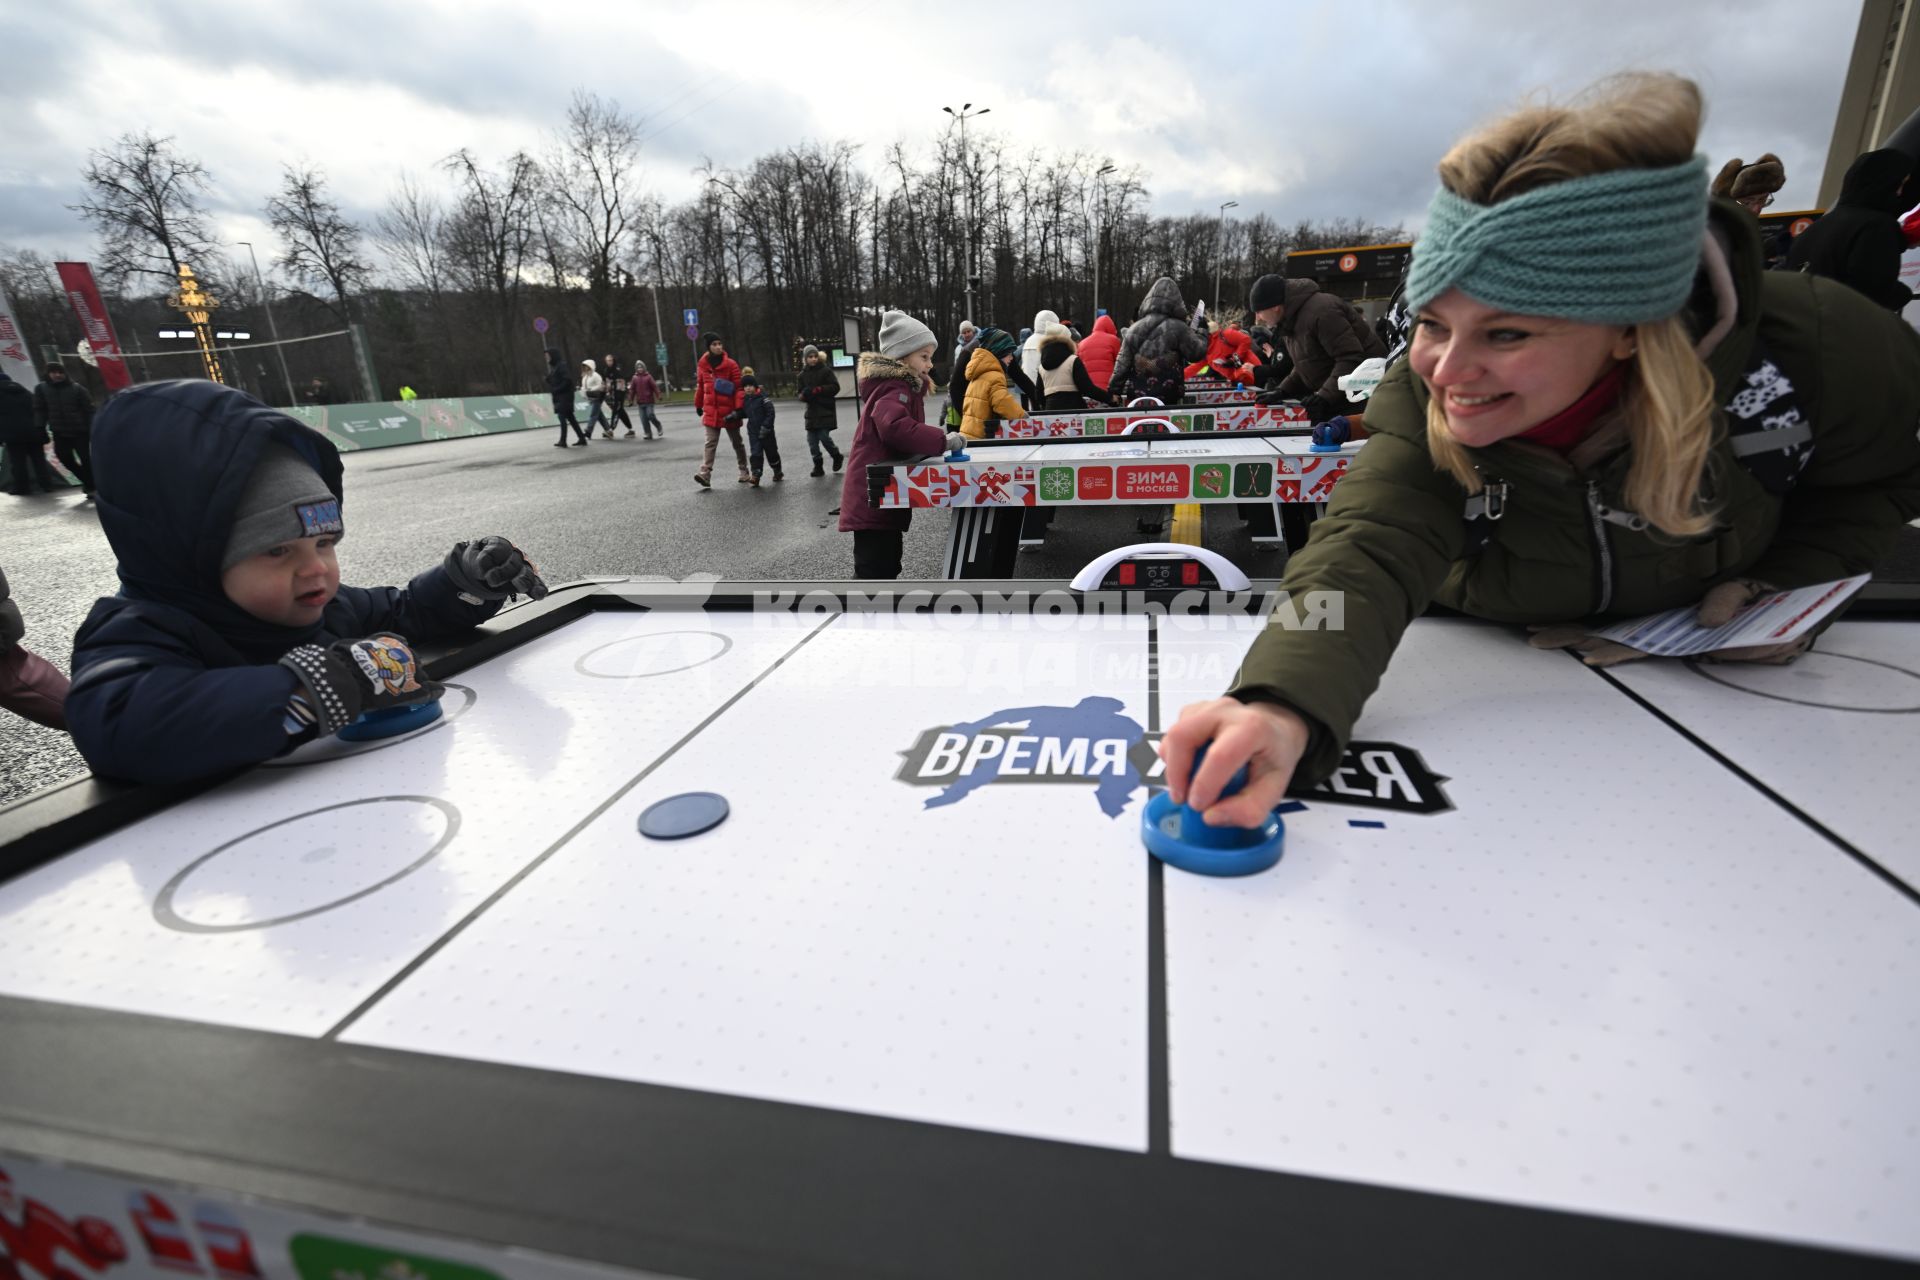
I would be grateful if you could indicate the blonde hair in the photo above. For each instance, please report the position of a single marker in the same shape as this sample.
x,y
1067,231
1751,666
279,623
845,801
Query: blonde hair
x,y
1636,121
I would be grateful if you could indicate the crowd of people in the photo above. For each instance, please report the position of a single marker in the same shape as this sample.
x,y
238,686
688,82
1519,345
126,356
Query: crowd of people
x,y
1607,406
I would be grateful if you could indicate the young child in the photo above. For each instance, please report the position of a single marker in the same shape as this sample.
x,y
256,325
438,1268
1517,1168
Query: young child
x,y
758,410
644,392
893,427
987,400
716,398
232,640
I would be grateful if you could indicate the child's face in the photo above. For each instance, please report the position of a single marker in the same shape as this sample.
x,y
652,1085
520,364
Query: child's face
x,y
288,585
753,391
921,361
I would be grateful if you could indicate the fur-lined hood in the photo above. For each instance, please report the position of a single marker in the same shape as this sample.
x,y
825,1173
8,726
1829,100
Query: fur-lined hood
x,y
875,367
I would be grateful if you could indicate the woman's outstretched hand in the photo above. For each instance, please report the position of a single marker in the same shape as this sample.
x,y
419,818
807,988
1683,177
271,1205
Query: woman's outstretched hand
x,y
1268,738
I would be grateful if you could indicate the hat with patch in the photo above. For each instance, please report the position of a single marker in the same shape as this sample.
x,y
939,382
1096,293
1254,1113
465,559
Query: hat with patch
x,y
285,499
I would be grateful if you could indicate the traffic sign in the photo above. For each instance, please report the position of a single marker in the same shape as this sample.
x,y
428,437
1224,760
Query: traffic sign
x,y
660,354
693,333
690,318
539,324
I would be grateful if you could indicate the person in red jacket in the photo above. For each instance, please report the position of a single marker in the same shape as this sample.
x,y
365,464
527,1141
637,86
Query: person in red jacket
x,y
1230,355
1098,349
717,399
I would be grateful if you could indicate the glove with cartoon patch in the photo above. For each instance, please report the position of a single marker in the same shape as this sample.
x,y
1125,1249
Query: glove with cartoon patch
x,y
342,681
492,568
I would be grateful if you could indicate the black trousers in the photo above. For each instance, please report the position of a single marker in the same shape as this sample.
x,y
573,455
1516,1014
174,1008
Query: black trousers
x,y
568,420
619,408
877,552
27,467
76,455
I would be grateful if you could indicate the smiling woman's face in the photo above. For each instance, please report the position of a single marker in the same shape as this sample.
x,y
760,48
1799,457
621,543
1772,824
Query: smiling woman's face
x,y
1497,374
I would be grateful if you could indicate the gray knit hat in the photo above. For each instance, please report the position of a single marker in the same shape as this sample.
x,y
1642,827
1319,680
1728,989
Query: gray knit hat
x,y
285,499
809,350
901,335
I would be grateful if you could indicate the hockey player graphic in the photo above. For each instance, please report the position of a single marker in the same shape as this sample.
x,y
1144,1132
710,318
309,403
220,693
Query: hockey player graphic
x,y
1094,719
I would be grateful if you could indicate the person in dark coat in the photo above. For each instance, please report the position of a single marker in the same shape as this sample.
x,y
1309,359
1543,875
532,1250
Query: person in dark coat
x,y
25,440
820,393
1858,242
63,407
560,384
1157,348
616,394
1325,337
756,407
1065,384
231,640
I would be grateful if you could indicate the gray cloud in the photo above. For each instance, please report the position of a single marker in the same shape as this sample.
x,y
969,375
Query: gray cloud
x,y
1306,109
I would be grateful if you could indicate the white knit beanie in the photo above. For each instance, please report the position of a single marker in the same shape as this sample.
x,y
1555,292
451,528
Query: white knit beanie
x,y
901,335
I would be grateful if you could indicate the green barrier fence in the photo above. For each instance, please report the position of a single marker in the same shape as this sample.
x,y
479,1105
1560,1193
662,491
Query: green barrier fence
x,y
386,423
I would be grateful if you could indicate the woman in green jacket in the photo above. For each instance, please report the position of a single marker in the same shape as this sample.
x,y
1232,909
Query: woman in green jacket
x,y
1608,409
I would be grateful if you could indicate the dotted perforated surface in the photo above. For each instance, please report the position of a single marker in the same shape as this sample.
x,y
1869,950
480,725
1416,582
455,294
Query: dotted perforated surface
x,y
835,942
1615,978
541,746
1836,733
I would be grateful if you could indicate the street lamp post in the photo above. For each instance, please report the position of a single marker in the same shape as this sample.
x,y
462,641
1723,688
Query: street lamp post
x,y
1099,222
272,328
1218,235
968,251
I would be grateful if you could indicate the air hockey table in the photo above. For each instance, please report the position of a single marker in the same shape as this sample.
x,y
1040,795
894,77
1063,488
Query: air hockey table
x,y
1003,492
1565,972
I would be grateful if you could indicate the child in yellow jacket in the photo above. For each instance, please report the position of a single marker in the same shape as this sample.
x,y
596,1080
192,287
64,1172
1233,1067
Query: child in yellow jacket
x,y
988,400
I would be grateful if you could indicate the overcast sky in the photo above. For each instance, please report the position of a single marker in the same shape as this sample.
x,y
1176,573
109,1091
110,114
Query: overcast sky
x,y
1299,108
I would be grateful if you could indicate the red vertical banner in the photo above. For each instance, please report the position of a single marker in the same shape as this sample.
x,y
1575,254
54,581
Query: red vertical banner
x,y
77,279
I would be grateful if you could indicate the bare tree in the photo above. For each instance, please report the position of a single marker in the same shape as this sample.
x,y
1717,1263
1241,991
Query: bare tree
x,y
596,196
143,199
489,233
322,247
412,231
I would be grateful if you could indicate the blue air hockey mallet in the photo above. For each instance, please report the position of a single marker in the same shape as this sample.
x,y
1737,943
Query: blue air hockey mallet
x,y
392,722
1328,436
1178,836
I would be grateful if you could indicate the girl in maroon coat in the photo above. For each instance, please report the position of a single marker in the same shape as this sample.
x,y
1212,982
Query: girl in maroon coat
x,y
643,391
893,427
717,398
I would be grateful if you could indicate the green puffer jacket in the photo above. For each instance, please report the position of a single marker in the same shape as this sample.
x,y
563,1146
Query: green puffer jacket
x,y
1395,535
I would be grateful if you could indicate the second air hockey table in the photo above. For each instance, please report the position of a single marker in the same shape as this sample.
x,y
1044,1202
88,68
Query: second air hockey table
x,y
1566,972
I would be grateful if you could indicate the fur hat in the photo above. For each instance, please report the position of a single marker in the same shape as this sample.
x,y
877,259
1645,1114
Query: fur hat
x,y
1738,180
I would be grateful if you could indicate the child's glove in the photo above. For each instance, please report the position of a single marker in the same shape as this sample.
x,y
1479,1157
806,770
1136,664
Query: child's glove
x,y
492,568
956,442
344,680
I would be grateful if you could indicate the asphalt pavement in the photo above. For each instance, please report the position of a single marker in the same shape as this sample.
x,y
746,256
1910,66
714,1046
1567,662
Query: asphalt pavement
x,y
615,507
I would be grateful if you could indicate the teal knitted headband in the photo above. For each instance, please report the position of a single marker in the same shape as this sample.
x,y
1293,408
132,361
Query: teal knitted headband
x,y
1611,248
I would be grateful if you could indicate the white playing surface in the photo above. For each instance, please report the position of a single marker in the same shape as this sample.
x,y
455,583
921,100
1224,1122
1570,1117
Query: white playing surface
x,y
1615,978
